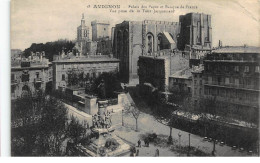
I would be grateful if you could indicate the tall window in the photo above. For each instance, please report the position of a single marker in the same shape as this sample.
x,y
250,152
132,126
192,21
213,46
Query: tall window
x,y
149,43
160,44
246,68
37,75
63,77
236,68
257,69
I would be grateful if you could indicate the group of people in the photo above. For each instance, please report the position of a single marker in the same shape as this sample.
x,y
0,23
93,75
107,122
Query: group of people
x,y
104,121
146,142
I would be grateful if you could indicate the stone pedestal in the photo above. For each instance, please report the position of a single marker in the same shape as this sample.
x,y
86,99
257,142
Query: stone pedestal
x,y
122,99
91,106
102,107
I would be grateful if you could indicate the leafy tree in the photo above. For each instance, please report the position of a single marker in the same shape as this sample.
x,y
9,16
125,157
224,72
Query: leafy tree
x,y
37,135
111,83
50,48
75,130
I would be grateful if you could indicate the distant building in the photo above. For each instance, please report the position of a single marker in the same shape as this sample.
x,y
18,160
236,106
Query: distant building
x,y
138,38
181,81
90,67
155,71
30,75
231,76
16,53
100,30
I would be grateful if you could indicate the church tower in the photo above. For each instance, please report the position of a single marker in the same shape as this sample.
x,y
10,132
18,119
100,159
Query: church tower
x,y
82,31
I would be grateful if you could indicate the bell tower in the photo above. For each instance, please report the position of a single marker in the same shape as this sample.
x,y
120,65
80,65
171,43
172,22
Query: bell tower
x,y
82,30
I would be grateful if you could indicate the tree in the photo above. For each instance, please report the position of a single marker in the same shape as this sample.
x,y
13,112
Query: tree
x,y
50,48
75,130
36,134
134,111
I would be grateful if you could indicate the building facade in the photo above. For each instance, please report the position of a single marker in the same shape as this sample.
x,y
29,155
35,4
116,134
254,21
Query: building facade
x,y
181,81
197,85
138,38
30,75
91,67
231,76
157,68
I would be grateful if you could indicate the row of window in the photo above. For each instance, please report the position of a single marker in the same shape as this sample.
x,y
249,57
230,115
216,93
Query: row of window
x,y
245,69
25,76
230,93
221,80
94,65
87,75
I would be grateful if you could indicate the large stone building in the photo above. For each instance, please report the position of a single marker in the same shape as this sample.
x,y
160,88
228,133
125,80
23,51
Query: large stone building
x,y
100,30
91,67
154,70
231,76
196,31
28,75
138,38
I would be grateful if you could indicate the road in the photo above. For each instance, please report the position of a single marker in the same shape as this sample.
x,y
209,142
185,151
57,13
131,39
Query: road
x,y
148,124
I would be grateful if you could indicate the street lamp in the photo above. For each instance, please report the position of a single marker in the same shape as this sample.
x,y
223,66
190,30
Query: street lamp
x,y
189,146
122,117
179,134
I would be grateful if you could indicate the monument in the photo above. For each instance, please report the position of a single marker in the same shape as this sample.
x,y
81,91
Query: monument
x,y
103,140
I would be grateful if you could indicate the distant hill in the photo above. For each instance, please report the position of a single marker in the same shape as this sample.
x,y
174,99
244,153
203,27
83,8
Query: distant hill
x,y
50,48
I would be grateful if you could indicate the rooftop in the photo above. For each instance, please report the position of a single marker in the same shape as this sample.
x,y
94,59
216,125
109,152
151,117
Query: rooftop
x,y
237,49
183,74
94,58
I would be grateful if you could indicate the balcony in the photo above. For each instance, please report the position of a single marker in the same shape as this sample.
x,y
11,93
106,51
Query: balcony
x,y
38,80
232,85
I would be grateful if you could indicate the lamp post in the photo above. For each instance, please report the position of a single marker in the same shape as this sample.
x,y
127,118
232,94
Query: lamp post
x,y
189,146
122,117
179,134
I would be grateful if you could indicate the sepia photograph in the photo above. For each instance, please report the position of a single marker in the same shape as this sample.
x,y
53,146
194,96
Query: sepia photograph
x,y
134,78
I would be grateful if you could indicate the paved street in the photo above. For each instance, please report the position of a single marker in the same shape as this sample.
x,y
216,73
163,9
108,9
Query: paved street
x,y
147,124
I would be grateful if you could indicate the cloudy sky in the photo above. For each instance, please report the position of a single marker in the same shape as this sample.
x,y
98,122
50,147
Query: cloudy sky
x,y
235,22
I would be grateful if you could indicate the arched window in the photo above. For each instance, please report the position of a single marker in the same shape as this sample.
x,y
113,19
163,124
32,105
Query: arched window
x,y
149,42
159,42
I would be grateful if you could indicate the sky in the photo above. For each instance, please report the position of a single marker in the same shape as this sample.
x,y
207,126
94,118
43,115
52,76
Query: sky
x,y
234,22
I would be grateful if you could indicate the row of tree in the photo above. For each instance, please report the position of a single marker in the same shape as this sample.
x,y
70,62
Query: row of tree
x,y
50,48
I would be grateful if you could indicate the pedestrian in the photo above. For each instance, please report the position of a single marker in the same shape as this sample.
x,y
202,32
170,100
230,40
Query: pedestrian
x,y
137,152
139,143
157,153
